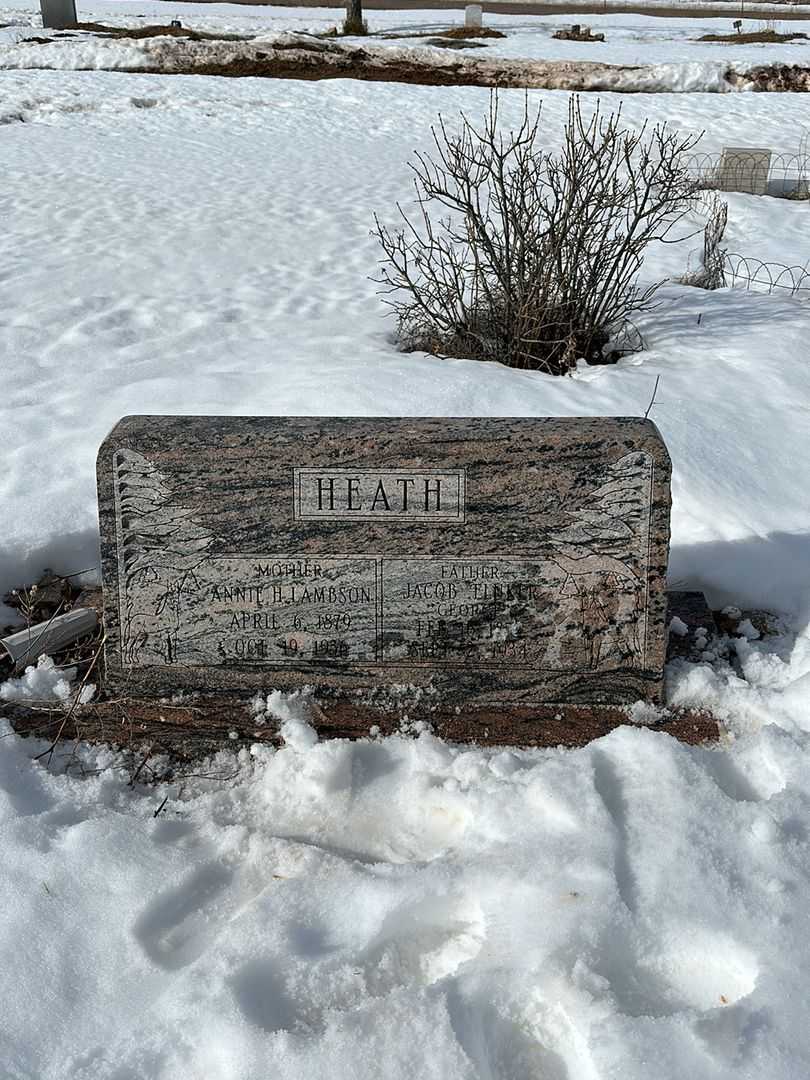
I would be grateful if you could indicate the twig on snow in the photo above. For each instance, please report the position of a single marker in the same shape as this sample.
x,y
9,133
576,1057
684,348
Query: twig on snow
x,y
652,399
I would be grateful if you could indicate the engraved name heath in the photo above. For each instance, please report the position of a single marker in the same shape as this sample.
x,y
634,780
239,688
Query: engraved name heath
x,y
370,493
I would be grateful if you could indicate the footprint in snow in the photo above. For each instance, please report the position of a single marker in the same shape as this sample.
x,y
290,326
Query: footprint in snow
x,y
262,997
689,970
176,928
416,946
422,944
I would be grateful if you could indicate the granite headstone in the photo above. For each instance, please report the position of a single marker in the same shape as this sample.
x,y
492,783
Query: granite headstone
x,y
485,563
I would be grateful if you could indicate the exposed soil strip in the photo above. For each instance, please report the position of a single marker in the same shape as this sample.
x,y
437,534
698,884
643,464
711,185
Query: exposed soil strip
x,y
774,78
358,64
294,62
203,726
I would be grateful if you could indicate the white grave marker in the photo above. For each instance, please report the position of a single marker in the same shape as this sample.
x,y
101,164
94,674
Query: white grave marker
x,y
473,17
744,168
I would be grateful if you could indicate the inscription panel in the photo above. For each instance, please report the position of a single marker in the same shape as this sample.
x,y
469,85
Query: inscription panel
x,y
561,613
252,610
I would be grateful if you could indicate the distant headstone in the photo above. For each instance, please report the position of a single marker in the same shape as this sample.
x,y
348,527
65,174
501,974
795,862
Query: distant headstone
x,y
58,14
577,32
473,19
470,563
744,169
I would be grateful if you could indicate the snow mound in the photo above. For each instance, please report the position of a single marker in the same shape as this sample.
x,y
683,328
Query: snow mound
x,y
45,682
450,911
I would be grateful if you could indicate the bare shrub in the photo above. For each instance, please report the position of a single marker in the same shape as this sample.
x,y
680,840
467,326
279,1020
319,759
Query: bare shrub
x,y
528,257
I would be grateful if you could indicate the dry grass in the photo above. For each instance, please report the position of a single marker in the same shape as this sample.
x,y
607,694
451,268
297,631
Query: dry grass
x,y
764,37
355,65
139,32
455,37
471,32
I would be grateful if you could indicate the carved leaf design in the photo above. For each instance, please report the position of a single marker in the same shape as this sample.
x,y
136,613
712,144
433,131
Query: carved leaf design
x,y
161,545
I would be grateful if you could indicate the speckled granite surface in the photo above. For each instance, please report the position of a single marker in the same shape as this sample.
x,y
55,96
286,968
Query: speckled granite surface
x,y
475,562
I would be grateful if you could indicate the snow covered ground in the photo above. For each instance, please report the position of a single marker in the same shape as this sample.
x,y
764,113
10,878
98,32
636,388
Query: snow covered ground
x,y
157,227
400,908
394,907
668,46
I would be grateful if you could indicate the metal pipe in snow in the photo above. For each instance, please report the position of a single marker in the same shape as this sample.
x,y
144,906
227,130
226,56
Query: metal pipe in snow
x,y
26,646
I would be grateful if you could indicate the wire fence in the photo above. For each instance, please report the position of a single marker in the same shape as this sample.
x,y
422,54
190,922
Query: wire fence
x,y
722,269
711,273
740,271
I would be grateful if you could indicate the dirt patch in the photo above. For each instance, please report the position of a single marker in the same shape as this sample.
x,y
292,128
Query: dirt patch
x,y
471,32
319,61
444,37
765,37
193,730
313,46
309,58
355,65
773,78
